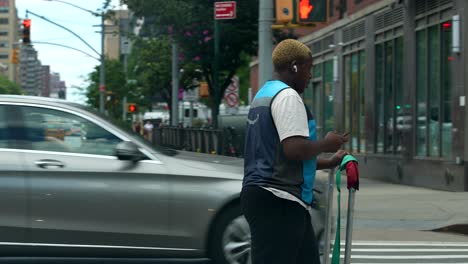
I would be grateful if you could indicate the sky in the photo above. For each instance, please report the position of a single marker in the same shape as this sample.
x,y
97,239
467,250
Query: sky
x,y
73,66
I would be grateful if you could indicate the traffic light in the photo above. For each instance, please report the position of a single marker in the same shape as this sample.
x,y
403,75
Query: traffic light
x,y
204,91
131,108
14,56
27,31
311,11
284,11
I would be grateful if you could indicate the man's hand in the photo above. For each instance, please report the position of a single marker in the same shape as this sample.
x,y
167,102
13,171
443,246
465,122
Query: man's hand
x,y
334,141
336,159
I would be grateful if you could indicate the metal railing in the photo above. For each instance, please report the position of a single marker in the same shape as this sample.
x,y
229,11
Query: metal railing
x,y
224,141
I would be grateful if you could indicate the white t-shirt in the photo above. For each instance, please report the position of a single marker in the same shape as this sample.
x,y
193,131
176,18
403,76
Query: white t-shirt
x,y
148,127
289,114
290,118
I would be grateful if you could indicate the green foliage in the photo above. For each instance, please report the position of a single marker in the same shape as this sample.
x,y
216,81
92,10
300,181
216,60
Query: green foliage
x,y
244,80
116,87
9,87
190,23
150,65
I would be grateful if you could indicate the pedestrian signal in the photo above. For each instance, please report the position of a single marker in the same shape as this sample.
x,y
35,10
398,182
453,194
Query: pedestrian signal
x,y
284,11
14,56
311,11
204,90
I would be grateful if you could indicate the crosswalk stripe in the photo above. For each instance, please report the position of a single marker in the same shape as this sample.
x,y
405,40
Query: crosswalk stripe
x,y
408,257
407,250
407,243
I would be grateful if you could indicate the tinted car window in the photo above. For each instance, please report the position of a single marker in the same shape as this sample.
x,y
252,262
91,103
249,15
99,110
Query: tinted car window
x,y
53,130
3,128
11,136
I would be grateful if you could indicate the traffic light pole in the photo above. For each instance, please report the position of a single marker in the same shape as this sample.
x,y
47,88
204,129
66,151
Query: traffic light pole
x,y
265,36
58,25
175,86
216,68
102,85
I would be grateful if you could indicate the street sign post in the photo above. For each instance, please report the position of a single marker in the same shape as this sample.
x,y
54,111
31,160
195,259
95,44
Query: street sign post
x,y
191,95
225,10
125,45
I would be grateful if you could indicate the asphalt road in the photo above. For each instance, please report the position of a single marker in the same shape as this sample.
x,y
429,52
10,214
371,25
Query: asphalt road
x,y
392,224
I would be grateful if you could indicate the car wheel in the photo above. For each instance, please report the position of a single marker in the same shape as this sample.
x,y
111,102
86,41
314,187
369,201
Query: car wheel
x,y
231,239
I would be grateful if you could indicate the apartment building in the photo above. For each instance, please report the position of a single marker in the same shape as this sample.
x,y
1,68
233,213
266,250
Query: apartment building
x,y
9,31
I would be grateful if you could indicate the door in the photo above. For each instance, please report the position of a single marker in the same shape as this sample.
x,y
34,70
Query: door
x,y
81,194
13,192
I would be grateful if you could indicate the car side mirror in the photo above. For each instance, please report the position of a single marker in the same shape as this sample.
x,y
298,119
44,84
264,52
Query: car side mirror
x,y
127,150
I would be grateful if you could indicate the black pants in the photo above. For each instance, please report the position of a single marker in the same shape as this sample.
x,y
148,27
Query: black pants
x,y
281,230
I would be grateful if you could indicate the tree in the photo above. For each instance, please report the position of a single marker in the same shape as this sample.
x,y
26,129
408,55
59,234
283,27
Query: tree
x,y
9,87
116,87
189,23
150,64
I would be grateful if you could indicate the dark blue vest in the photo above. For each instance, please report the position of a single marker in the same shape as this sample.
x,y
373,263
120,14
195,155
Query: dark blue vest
x,y
264,161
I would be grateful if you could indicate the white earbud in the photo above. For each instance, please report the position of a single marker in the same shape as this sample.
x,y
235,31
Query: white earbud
x,y
294,68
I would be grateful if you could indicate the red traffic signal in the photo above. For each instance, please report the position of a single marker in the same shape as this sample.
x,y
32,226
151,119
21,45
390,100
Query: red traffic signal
x,y
27,31
27,22
131,108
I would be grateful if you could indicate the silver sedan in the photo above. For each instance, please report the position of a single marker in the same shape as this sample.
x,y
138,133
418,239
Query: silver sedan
x,y
74,184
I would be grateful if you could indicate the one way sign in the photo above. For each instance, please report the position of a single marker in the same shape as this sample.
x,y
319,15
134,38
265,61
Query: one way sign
x,y
225,10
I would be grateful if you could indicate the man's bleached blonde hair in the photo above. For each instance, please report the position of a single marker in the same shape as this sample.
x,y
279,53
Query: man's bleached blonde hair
x,y
290,50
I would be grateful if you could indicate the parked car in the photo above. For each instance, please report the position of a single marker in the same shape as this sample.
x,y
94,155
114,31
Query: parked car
x,y
74,184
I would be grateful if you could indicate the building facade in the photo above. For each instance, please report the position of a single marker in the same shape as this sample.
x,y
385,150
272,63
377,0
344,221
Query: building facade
x,y
58,88
116,41
9,29
393,74
45,75
30,71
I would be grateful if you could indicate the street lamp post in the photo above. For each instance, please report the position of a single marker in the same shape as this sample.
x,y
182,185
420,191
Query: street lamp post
x,y
102,77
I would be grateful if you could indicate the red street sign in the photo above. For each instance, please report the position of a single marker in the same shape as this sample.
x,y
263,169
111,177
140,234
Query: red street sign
x,y
225,10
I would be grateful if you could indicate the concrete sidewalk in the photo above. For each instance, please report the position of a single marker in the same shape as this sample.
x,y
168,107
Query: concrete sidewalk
x,y
386,206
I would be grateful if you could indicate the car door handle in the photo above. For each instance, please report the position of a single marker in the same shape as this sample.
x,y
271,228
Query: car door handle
x,y
49,164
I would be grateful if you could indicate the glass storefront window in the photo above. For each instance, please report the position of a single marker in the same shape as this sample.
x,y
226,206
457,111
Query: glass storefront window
x,y
314,96
317,71
354,111
328,103
421,95
379,97
447,91
307,97
317,107
347,98
388,97
354,136
362,116
403,119
434,92
391,122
